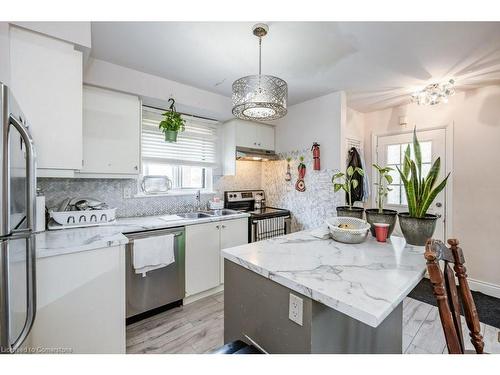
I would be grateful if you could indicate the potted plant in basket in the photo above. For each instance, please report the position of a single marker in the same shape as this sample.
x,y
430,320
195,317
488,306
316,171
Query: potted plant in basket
x,y
172,123
380,214
416,224
346,183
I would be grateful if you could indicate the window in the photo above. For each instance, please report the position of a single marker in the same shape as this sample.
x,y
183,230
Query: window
x,y
188,162
395,157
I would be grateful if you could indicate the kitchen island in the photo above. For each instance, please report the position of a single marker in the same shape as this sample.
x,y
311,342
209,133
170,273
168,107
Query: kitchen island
x,y
351,295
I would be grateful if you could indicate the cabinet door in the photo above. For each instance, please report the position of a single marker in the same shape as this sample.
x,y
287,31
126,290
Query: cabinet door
x,y
246,134
46,79
81,302
265,137
202,257
233,233
111,132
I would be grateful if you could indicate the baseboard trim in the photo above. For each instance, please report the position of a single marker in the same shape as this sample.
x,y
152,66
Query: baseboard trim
x,y
489,289
206,293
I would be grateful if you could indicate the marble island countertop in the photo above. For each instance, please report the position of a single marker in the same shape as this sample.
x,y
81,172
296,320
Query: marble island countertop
x,y
365,281
72,240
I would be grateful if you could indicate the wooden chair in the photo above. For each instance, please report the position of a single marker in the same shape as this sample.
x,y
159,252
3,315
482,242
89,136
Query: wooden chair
x,y
445,290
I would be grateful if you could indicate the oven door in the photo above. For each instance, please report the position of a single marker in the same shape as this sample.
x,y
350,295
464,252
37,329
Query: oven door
x,y
263,228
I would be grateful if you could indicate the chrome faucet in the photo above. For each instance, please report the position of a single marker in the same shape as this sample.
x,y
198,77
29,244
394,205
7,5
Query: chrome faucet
x,y
198,200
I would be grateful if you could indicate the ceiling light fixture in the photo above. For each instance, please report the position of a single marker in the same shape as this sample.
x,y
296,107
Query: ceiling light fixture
x,y
260,97
434,93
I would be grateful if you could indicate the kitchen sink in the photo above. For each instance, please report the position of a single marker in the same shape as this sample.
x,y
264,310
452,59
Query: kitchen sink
x,y
194,215
222,212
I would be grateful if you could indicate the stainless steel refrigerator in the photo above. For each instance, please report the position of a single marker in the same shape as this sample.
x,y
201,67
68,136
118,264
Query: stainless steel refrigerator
x,y
17,225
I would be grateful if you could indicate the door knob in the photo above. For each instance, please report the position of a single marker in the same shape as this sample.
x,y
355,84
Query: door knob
x,y
439,204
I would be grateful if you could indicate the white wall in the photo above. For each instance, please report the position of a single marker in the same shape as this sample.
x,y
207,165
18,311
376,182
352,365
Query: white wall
x,y
155,90
476,178
77,33
316,120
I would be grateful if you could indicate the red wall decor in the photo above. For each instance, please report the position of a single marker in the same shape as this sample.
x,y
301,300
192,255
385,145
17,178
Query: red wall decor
x,y
300,184
316,161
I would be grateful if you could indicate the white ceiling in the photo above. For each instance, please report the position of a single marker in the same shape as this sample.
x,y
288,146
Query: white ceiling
x,y
377,64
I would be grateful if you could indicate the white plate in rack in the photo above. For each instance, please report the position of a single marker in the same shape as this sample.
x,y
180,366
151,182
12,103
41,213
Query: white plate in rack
x,y
83,218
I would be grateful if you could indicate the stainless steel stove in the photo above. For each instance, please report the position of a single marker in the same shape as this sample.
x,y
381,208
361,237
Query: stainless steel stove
x,y
264,222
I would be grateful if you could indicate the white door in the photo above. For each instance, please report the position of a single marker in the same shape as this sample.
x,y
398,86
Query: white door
x,y
202,257
390,151
232,233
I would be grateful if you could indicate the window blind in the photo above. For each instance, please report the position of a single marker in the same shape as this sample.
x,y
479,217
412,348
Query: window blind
x,y
195,146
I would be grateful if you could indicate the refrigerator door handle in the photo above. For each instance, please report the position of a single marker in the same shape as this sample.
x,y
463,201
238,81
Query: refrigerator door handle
x,y
30,173
30,241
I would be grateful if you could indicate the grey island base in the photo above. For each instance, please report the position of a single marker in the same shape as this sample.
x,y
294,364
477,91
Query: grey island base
x,y
351,295
256,311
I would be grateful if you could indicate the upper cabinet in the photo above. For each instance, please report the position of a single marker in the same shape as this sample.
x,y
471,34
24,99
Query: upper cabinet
x,y
111,133
253,135
241,133
46,79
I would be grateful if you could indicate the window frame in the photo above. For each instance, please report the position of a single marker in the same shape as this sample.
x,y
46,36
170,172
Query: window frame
x,y
177,180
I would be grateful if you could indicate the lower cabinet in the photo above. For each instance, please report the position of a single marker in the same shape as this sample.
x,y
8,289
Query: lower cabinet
x,y
204,263
232,233
81,302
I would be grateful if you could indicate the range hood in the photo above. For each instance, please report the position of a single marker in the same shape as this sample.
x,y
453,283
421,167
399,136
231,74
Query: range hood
x,y
244,153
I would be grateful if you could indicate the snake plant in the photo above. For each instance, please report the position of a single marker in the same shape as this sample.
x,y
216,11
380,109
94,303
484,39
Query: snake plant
x,y
420,191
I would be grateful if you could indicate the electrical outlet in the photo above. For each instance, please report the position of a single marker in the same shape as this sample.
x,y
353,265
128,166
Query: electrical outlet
x,y
296,309
127,192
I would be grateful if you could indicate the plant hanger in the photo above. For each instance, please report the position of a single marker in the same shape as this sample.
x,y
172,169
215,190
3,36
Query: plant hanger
x,y
172,106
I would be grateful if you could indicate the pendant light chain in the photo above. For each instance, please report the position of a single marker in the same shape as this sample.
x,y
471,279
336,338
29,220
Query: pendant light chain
x,y
260,55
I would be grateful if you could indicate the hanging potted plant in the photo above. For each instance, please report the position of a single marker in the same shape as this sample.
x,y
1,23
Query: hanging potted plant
x,y
380,214
416,224
172,123
347,183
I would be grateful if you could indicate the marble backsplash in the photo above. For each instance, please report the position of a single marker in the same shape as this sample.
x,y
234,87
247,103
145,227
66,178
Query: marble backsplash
x,y
248,176
310,208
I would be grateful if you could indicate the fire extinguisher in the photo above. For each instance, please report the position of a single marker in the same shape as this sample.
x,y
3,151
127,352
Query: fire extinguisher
x,y
315,151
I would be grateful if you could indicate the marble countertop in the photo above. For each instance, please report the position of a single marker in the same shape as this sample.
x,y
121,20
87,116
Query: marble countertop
x,y
72,240
364,281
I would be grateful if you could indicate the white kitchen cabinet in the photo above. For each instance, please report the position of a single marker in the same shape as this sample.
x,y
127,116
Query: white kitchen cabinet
x,y
46,79
253,135
232,233
265,137
241,133
111,133
202,257
85,313
204,242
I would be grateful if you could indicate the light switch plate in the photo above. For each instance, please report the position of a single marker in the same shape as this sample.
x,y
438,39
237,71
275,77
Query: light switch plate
x,y
296,309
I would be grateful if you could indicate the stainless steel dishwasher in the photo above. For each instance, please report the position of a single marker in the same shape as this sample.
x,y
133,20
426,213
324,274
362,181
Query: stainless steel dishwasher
x,y
159,289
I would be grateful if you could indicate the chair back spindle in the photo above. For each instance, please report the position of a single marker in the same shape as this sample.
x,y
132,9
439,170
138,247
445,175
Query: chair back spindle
x,y
447,295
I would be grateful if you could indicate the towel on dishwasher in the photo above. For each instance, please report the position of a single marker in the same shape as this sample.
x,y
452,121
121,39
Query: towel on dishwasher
x,y
152,253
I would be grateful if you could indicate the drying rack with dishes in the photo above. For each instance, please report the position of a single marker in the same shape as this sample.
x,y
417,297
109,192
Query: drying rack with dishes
x,y
81,212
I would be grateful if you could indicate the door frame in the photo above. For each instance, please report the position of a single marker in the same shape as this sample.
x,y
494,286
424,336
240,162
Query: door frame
x,y
449,131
